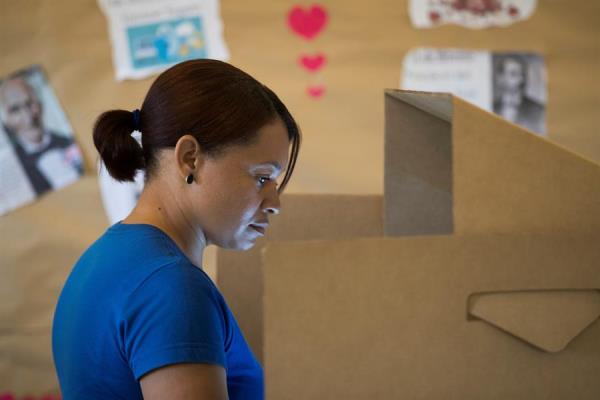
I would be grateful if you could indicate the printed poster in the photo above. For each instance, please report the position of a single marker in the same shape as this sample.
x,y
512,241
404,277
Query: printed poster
x,y
475,14
38,153
510,84
119,198
148,36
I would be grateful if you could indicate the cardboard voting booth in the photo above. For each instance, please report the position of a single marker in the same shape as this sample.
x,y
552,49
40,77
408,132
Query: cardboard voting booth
x,y
240,274
450,169
423,318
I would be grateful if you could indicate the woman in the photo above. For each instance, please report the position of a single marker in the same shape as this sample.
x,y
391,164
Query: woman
x,y
138,318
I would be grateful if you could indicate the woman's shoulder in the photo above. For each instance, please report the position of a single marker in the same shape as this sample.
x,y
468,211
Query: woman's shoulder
x,y
128,255
131,245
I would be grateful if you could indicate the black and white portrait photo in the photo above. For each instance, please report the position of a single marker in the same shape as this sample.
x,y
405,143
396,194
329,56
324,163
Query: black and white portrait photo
x,y
37,151
519,89
510,84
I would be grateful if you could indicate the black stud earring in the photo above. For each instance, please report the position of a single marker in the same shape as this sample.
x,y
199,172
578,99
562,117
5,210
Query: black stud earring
x,y
189,179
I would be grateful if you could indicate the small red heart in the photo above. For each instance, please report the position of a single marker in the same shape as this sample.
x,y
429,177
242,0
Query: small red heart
x,y
315,91
307,23
7,396
513,11
434,16
312,63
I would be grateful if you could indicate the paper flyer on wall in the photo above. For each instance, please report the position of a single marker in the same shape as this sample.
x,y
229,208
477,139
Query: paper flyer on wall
x,y
148,36
37,151
475,14
119,198
510,84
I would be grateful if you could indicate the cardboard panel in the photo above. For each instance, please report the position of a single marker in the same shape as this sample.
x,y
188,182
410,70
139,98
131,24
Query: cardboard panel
x,y
388,318
479,173
239,274
518,181
418,165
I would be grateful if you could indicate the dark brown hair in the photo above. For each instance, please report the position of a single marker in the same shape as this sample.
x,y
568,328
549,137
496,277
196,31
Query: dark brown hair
x,y
217,103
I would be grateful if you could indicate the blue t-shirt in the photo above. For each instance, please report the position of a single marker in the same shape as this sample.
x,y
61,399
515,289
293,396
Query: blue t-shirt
x,y
133,303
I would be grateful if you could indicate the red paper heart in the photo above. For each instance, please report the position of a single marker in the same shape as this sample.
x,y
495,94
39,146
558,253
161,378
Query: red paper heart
x,y
315,91
307,23
312,63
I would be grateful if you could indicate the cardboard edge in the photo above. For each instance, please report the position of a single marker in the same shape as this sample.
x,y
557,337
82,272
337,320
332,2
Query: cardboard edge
x,y
419,100
458,102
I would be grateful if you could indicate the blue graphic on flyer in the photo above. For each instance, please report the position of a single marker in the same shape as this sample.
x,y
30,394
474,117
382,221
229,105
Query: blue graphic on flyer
x,y
166,42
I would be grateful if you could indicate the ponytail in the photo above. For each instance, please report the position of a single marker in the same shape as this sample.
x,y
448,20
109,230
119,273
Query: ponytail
x,y
121,153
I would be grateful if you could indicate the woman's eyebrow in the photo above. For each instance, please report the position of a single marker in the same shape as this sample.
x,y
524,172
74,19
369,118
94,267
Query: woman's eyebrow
x,y
273,164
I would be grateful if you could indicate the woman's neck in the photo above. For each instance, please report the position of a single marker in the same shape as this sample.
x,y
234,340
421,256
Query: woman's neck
x,y
165,213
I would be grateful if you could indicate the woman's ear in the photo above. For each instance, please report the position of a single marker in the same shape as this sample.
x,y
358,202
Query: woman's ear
x,y
189,157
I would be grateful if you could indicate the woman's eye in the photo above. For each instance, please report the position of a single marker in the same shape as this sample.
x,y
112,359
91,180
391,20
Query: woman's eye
x,y
263,179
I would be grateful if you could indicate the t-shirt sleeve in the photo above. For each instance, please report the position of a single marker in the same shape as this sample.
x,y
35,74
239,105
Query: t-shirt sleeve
x,y
174,316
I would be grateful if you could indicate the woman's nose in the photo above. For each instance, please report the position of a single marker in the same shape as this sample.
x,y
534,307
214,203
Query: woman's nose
x,y
271,204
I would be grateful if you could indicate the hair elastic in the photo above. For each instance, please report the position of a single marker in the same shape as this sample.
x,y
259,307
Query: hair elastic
x,y
136,119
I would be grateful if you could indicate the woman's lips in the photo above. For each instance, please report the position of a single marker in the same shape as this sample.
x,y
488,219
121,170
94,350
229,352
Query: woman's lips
x,y
259,228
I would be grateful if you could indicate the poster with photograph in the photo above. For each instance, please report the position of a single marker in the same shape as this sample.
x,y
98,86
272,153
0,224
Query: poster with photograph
x,y
37,151
148,36
475,14
511,84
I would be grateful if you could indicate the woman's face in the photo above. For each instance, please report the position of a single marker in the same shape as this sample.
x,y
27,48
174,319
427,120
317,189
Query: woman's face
x,y
236,192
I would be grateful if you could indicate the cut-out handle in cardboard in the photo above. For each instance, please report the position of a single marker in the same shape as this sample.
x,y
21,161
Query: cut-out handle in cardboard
x,y
546,319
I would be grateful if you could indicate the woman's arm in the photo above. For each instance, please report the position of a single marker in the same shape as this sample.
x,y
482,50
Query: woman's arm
x,y
185,382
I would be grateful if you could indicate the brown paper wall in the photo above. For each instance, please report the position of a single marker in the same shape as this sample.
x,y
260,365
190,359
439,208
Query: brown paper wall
x,y
365,45
343,146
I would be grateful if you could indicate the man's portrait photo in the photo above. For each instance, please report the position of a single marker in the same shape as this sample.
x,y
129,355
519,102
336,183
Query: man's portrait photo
x,y
35,125
519,89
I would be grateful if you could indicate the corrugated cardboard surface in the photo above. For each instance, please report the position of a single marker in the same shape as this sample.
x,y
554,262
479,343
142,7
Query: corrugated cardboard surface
x,y
465,170
418,166
343,146
389,318
240,274
519,180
